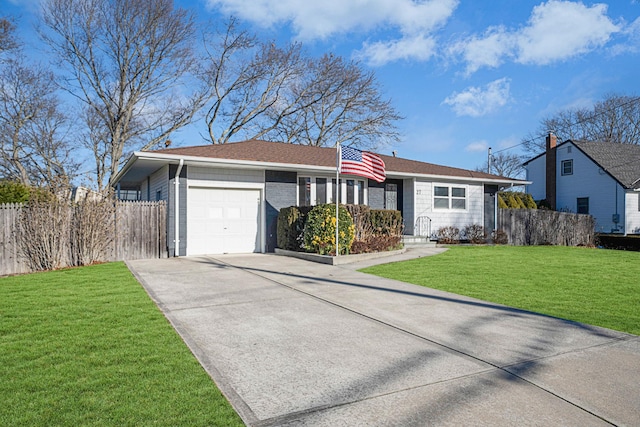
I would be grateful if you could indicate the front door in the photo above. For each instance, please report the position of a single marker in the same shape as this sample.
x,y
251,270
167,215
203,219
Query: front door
x,y
391,196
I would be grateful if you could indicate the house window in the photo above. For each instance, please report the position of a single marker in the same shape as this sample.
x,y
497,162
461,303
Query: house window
x,y
449,198
304,191
321,191
351,184
354,191
567,167
583,205
158,195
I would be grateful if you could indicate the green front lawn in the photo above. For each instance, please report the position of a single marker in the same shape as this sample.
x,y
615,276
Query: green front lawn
x,y
87,346
594,286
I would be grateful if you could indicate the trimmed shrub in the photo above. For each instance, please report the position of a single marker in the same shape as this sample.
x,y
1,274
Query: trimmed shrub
x,y
448,235
529,203
320,230
475,233
501,203
516,200
380,243
290,228
386,222
543,204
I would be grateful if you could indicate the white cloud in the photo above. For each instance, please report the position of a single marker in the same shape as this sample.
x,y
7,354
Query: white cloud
x,y
321,19
418,47
476,101
561,29
413,22
556,30
478,146
632,31
485,51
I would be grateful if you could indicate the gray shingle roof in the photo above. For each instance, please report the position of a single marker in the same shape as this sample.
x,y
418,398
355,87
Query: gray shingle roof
x,y
622,161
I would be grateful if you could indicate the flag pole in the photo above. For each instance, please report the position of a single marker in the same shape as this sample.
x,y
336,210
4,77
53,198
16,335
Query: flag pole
x,y
338,162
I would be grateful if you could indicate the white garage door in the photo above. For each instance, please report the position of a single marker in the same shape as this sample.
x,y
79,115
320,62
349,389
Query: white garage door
x,y
222,220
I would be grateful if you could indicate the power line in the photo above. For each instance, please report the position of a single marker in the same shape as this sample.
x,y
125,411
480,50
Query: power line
x,y
578,122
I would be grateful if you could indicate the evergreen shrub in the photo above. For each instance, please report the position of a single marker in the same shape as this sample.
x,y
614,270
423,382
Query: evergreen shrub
x,y
320,230
290,227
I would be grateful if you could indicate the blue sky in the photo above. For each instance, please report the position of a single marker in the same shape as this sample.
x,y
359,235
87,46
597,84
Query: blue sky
x,y
466,75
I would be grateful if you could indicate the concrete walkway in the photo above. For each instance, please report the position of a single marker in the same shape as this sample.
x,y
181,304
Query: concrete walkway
x,y
295,343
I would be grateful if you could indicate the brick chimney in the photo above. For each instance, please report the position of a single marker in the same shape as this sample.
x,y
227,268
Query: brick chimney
x,y
550,178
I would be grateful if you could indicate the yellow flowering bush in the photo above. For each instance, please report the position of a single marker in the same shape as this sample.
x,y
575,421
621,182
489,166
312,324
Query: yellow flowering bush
x,y
320,230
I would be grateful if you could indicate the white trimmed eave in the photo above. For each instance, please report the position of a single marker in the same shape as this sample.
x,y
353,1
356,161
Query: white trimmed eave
x,y
150,159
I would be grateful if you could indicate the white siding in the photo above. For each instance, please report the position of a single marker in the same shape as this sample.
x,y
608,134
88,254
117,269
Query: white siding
x,y
632,212
408,208
536,172
159,181
144,190
606,196
229,178
473,214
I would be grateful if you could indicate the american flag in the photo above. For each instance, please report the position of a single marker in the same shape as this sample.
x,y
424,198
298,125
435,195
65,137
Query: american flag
x,y
362,163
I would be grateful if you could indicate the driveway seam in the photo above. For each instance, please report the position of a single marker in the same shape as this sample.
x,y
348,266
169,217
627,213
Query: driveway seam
x,y
444,346
241,407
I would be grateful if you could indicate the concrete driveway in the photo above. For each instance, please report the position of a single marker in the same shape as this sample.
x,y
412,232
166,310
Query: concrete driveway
x,y
295,343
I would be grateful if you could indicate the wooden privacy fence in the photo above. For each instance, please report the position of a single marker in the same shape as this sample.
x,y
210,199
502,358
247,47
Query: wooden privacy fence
x,y
544,227
138,231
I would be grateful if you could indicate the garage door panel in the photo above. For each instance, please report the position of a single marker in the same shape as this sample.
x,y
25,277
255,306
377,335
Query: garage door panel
x,y
223,221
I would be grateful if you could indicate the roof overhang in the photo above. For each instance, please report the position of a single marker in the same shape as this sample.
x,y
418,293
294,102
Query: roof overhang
x,y
144,163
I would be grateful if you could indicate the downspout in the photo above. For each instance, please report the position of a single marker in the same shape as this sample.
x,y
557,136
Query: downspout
x,y
495,210
176,251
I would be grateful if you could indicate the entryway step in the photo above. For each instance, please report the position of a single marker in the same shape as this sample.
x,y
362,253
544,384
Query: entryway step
x,y
421,241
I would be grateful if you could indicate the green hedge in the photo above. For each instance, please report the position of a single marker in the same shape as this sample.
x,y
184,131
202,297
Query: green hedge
x,y
386,222
365,229
291,223
516,200
13,192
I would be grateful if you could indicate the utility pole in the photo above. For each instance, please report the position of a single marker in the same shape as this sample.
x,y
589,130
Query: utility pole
x,y
489,161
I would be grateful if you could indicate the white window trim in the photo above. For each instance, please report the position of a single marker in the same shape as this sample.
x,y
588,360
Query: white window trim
x,y
562,163
450,197
329,189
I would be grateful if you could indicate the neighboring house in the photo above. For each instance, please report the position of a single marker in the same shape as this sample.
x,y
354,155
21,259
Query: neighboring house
x,y
596,178
229,195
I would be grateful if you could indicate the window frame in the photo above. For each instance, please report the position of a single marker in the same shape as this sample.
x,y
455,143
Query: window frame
x,y
308,184
358,189
583,199
450,197
563,169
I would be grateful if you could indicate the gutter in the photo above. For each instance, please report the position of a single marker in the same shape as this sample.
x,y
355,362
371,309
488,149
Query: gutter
x,y
176,251
250,164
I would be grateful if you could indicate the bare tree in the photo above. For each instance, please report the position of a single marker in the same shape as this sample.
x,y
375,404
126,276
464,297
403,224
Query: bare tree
x,y
129,61
262,91
504,164
33,149
337,103
248,78
7,37
614,119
